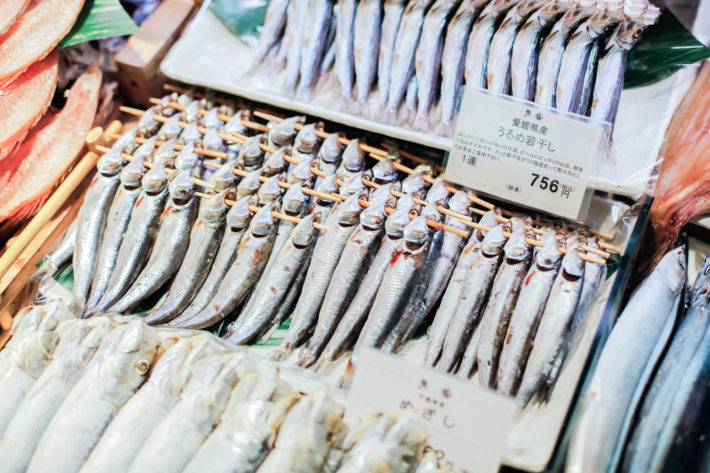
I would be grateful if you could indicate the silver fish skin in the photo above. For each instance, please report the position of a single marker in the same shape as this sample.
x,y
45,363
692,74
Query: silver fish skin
x,y
526,50
344,47
296,17
274,25
147,124
469,362
429,52
251,156
211,141
411,96
249,185
138,237
479,42
415,184
61,255
126,142
243,273
276,164
594,274
211,119
475,288
366,43
237,223
397,283
307,140
283,133
498,69
526,316
323,262
329,56
269,192
551,336
315,42
179,435
116,371
352,266
170,246
224,177
277,282
165,152
384,172
353,160
450,299
438,193
23,324
393,10
402,69
78,343
329,154
618,380
234,125
205,238
190,135
302,174
91,223
454,54
670,422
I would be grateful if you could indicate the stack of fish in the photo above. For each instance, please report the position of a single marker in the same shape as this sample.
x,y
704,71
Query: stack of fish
x,y
112,394
646,406
371,276
567,54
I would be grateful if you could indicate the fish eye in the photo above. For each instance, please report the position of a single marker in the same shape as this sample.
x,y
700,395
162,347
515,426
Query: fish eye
x,y
141,367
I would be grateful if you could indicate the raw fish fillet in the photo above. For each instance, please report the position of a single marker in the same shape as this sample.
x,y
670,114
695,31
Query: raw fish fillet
x,y
10,10
683,188
35,34
23,102
28,175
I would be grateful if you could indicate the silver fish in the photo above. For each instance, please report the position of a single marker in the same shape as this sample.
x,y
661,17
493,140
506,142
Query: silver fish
x,y
235,126
251,156
126,142
618,381
147,124
479,42
438,193
551,336
325,258
224,177
329,56
344,47
315,42
249,185
92,221
237,223
384,172
366,43
190,134
450,299
415,184
211,119
526,316
405,47
353,185
187,158
411,96
138,237
302,174
276,164
297,17
307,140
353,160
190,114
166,151
329,154
274,24
393,10
270,191
352,266
283,133
61,255
213,142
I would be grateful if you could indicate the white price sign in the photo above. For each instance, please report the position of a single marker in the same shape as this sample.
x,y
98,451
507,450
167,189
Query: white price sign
x,y
468,425
525,153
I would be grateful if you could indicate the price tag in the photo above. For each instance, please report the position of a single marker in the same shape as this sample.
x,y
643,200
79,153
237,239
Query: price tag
x,y
468,425
525,153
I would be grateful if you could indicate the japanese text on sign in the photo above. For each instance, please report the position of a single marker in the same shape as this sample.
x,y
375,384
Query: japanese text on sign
x,y
519,151
468,425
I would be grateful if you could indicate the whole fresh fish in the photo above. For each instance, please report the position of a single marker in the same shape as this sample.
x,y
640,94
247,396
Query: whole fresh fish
x,y
429,51
499,309
474,291
344,47
274,24
283,133
277,282
354,317
450,298
397,284
479,42
78,342
353,160
315,42
405,47
242,274
454,54
91,224
526,49
237,223
366,44
618,381
116,371
129,430
498,69
179,435
171,243
323,262
61,255
205,239
393,10
526,315
551,336
138,237
352,265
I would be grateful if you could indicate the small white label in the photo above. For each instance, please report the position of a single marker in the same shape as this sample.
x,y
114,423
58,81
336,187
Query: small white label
x,y
525,153
468,425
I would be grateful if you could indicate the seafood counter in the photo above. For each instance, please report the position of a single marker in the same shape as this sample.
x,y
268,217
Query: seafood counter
x,y
311,246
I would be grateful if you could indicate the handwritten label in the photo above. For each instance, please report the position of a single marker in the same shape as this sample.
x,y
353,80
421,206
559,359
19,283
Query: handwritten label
x,y
468,425
532,155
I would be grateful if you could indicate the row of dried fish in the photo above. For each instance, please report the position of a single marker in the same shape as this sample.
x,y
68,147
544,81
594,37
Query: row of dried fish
x,y
112,394
562,53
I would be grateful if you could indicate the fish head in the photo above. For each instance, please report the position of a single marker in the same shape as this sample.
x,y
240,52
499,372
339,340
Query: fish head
x,y
374,216
187,159
224,177
517,248
494,241
384,171
145,150
185,98
276,163
249,184
350,210
211,119
294,200
251,154
132,174
182,188
549,255
353,157
213,209
305,232
127,141
263,222
170,129
111,163
489,219
165,151
190,114
459,202
416,233
396,221
572,265
301,173
431,212
270,190
190,134
147,123
384,192
155,180
136,351
283,133
353,184
414,184
307,139
331,148
672,268
212,141
329,185
438,192
235,126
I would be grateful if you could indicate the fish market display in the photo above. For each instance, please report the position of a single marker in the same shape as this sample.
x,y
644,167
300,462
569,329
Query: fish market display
x,y
404,62
111,394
